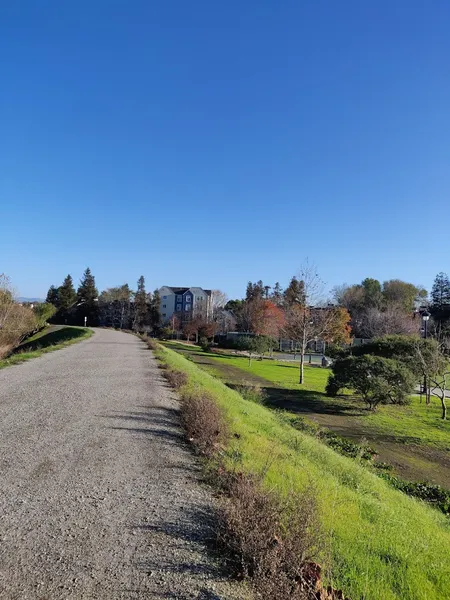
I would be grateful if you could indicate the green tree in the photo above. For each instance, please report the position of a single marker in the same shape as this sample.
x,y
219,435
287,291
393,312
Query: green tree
x,y
376,379
440,300
397,293
141,308
154,310
373,297
43,312
66,294
295,293
53,296
87,299
257,344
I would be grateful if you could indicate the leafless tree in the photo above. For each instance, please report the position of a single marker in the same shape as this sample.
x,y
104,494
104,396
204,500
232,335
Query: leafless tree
x,y
393,320
16,321
304,322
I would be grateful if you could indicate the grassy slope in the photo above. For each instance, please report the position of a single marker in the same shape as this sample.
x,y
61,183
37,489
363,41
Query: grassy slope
x,y
379,543
44,342
416,423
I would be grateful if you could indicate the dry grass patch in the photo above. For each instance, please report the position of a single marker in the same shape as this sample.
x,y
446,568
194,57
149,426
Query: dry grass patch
x,y
203,421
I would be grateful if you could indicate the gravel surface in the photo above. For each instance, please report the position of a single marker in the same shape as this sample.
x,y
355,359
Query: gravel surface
x,y
99,495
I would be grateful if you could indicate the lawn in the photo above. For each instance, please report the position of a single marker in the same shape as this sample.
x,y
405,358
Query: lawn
x,y
45,341
378,544
413,438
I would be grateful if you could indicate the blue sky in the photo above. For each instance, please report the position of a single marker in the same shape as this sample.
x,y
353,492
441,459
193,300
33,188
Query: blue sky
x,y
206,143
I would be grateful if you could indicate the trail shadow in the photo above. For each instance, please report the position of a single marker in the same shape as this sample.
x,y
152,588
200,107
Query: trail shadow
x,y
51,338
193,528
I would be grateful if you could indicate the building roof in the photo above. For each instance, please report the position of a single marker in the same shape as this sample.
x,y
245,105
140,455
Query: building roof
x,y
183,290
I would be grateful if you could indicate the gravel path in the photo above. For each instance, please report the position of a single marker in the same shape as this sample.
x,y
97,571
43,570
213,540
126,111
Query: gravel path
x,y
99,496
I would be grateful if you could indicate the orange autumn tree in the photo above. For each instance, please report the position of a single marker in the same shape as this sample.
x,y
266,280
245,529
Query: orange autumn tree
x,y
267,319
338,330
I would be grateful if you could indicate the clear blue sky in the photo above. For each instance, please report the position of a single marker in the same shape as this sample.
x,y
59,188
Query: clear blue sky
x,y
211,143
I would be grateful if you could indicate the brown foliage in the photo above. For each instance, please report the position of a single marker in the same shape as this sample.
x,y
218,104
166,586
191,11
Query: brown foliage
x,y
203,422
176,379
16,321
267,539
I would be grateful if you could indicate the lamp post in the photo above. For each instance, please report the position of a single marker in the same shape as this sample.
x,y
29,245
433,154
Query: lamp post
x,y
425,318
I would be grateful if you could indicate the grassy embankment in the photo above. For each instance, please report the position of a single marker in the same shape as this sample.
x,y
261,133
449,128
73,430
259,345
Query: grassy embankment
x,y
46,341
416,423
378,543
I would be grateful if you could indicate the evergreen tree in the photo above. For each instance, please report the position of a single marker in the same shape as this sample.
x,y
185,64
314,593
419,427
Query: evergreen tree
x,y
53,296
155,310
440,294
66,294
277,294
87,297
295,292
141,312
440,301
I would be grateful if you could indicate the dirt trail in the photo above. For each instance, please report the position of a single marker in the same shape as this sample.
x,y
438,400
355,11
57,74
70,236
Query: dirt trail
x,y
99,496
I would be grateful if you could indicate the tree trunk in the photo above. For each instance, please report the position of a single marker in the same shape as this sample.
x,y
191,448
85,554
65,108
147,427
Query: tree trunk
x,y
444,407
302,364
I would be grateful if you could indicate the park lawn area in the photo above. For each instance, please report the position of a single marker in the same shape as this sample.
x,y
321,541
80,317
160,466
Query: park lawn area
x,y
377,543
47,340
415,423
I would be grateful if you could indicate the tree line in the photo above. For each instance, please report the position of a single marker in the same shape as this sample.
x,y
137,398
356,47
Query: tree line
x,y
119,307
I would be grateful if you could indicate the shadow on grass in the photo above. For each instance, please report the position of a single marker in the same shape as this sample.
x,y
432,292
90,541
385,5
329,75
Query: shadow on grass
x,y
306,401
51,339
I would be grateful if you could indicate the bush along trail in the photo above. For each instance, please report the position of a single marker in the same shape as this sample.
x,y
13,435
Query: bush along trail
x,y
370,540
268,539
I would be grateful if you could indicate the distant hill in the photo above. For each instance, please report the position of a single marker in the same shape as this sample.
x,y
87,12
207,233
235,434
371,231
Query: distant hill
x,y
22,299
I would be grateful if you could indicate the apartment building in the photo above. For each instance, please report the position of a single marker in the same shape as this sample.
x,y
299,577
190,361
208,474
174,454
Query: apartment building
x,y
185,302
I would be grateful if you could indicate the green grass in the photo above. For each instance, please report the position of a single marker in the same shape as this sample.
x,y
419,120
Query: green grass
x,y
44,342
379,544
416,423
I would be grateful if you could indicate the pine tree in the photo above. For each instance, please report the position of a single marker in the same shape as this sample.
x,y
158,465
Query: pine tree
x,y
53,296
440,294
66,294
155,310
87,297
295,293
440,300
141,312
277,294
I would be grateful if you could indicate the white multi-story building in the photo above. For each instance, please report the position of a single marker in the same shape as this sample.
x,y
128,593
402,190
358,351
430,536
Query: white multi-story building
x,y
185,302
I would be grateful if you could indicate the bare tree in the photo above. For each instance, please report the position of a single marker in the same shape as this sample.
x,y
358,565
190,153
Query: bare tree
x,y
218,302
393,320
303,321
439,389
16,321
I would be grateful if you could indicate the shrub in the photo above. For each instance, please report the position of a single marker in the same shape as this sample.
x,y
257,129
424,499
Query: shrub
x,y
376,379
252,392
204,344
203,421
176,379
268,539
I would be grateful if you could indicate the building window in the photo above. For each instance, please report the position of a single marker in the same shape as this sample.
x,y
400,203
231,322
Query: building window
x,y
178,307
188,298
164,314
179,298
164,306
164,297
187,307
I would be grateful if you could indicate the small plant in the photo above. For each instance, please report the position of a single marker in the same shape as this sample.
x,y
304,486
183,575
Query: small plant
x,y
253,393
176,379
203,421
268,539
